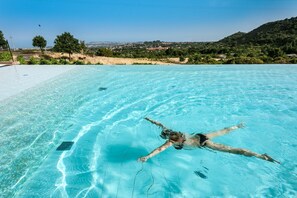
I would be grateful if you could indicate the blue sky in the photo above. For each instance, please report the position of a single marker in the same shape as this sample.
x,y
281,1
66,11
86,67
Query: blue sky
x,y
137,20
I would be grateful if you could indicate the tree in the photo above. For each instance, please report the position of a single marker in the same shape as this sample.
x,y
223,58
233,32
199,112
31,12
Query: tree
x,y
274,52
66,43
83,47
39,41
181,59
3,42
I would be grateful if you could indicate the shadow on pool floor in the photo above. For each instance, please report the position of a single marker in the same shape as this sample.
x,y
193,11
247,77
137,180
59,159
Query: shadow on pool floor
x,y
118,153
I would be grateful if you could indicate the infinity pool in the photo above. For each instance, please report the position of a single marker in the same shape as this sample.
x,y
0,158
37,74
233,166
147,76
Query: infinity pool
x,y
102,109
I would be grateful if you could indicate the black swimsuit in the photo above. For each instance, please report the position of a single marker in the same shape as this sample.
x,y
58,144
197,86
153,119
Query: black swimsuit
x,y
202,139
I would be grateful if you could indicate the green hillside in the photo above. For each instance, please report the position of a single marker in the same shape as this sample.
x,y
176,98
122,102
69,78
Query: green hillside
x,y
282,33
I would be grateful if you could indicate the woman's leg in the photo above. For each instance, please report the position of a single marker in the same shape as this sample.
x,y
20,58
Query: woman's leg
x,y
223,131
239,151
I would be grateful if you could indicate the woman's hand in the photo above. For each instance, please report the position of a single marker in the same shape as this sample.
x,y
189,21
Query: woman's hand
x,y
268,158
241,125
142,159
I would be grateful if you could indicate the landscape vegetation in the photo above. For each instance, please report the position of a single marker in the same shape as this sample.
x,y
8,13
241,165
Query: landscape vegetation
x,y
271,43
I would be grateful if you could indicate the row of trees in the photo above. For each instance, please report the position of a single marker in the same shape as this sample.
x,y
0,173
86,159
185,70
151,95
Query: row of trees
x,y
65,43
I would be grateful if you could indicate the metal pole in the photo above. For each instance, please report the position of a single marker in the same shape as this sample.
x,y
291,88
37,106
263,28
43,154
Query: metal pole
x,y
10,50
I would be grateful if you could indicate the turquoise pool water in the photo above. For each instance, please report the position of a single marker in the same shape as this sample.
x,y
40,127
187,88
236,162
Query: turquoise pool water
x,y
110,133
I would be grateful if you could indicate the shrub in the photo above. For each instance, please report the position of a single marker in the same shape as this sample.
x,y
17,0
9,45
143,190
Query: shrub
x,y
33,61
244,60
5,56
63,62
280,60
44,62
141,63
104,52
54,61
22,60
293,61
78,62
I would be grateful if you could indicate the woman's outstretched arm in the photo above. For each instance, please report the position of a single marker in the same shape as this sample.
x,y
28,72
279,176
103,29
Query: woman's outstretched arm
x,y
156,123
156,151
239,151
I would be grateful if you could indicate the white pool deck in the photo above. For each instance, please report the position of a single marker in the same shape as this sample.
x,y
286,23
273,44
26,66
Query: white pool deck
x,y
17,78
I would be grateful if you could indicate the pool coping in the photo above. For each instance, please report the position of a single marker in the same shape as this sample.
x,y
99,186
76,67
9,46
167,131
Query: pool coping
x,y
15,79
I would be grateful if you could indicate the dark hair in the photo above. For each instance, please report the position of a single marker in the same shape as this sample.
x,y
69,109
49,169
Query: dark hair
x,y
165,133
174,136
171,135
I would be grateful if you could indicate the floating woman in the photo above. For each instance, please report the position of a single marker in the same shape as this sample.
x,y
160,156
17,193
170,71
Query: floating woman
x,y
181,140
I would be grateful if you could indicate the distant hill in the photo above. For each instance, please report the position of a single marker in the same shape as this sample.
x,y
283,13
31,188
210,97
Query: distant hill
x,y
278,34
234,38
